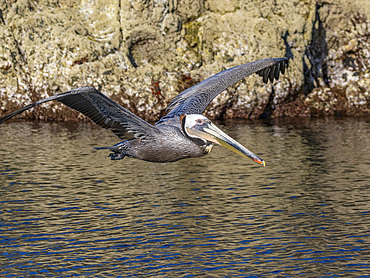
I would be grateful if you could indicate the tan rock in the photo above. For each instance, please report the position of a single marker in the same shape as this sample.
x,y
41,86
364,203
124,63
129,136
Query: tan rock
x,y
122,47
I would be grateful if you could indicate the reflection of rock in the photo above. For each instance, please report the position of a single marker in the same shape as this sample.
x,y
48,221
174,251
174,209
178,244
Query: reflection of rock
x,y
119,46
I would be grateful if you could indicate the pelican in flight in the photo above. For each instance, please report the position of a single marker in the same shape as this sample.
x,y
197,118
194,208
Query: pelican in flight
x,y
183,133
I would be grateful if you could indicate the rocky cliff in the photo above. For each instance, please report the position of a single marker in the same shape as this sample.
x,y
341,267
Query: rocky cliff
x,y
143,53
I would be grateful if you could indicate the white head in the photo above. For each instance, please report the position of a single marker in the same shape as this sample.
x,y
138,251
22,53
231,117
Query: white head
x,y
199,127
192,123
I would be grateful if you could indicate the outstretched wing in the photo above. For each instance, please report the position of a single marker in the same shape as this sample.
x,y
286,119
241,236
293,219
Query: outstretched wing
x,y
195,99
101,110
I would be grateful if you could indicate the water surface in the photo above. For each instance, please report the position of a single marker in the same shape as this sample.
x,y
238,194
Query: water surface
x,y
67,210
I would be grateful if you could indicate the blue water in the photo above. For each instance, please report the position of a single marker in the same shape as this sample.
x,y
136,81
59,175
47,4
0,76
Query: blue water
x,y
67,210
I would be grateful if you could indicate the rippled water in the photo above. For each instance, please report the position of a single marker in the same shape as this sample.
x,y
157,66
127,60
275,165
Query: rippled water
x,y
67,210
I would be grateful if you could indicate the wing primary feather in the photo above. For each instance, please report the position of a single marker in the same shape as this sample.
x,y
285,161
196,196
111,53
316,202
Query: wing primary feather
x,y
266,75
277,71
272,73
282,69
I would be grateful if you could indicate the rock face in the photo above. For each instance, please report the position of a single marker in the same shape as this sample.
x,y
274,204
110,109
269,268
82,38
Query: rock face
x,y
143,53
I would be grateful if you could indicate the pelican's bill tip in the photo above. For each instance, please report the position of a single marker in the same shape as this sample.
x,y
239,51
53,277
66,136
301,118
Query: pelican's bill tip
x,y
261,161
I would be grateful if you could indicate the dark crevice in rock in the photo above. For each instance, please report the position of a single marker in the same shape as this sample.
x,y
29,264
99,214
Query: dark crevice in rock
x,y
132,60
2,17
308,80
288,49
269,108
316,52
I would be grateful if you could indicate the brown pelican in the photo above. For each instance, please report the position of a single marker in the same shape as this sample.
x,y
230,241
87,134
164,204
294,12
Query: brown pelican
x,y
182,133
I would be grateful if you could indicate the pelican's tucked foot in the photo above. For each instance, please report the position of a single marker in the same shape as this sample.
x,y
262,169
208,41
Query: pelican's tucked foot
x,y
117,155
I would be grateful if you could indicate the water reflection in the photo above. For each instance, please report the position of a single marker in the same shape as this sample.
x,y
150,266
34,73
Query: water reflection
x,y
67,209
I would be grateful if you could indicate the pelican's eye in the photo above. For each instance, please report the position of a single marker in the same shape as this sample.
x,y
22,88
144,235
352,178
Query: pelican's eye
x,y
199,121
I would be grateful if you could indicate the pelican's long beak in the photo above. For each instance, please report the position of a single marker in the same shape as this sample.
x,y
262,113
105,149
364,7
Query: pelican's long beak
x,y
213,134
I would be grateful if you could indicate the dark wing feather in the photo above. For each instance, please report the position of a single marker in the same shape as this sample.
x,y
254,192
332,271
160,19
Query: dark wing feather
x,y
195,99
101,110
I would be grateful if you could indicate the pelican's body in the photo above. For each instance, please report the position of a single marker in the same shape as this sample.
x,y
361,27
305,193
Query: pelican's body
x,y
159,150
169,144
182,133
